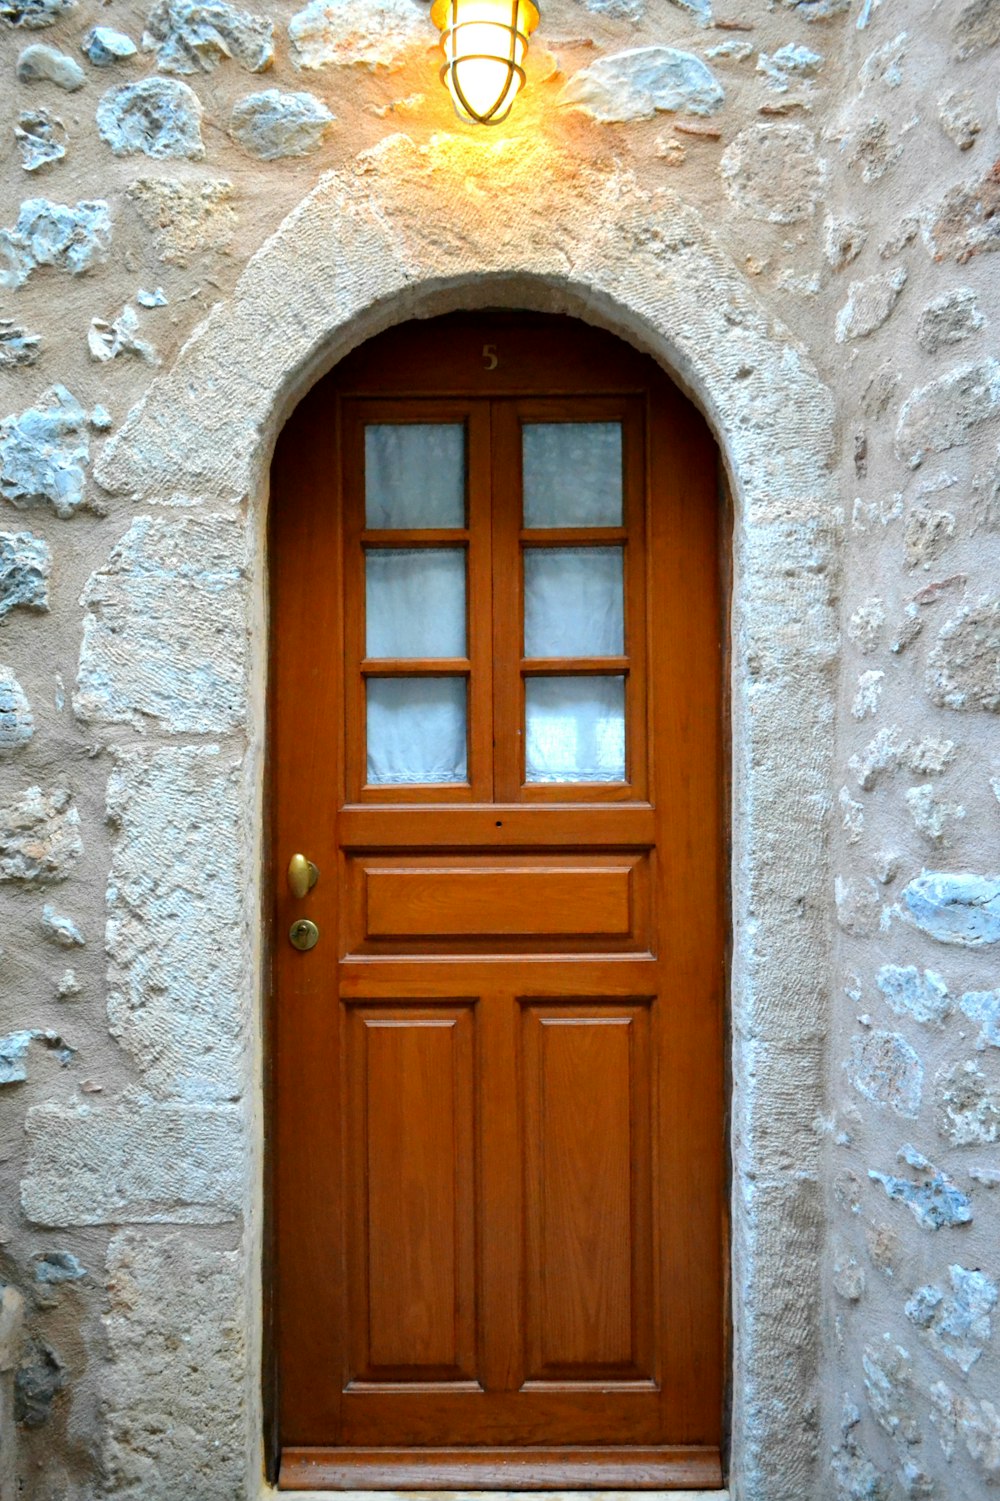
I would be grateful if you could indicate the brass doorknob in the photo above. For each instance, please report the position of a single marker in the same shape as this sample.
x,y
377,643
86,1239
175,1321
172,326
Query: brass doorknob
x,y
302,876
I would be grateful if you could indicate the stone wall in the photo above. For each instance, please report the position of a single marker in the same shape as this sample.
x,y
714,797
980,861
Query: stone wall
x,y
204,208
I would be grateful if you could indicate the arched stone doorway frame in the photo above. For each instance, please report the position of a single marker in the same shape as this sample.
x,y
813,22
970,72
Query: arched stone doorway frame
x,y
410,233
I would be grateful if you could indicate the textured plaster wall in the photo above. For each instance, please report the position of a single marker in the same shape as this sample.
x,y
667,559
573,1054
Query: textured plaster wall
x,y
794,210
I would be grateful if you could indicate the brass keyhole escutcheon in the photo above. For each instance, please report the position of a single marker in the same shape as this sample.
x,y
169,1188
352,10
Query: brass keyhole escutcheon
x,y
303,935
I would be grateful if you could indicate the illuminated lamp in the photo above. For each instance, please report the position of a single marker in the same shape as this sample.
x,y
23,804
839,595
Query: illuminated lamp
x,y
484,44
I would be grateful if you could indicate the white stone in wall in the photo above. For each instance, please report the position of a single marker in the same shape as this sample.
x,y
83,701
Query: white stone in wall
x,y
973,1421
61,929
160,117
103,46
140,1160
381,34
942,415
931,1196
963,668
884,1068
194,36
932,816
178,1007
44,453
18,347
924,997
39,837
983,1006
976,28
959,118
643,82
276,124
41,63
17,723
25,564
176,1327
73,238
968,1106
184,217
949,319
165,635
34,15
774,172
106,341
41,139
959,908
869,304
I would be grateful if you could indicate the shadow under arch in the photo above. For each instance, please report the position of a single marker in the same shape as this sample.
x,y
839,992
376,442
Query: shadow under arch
x,y
404,237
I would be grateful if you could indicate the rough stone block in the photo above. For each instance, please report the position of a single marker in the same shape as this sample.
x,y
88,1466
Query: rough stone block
x,y
138,1160
157,116
184,218
932,1199
976,1423
104,46
924,997
949,319
335,31
174,1396
17,723
968,1107
165,634
869,304
41,139
961,909
39,837
276,124
641,83
774,172
193,36
40,63
963,668
983,1006
25,564
72,237
176,932
18,346
941,416
44,454
885,1069
957,1324
34,15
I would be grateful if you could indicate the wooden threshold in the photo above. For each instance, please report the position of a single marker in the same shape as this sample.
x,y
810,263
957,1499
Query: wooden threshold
x,y
496,1469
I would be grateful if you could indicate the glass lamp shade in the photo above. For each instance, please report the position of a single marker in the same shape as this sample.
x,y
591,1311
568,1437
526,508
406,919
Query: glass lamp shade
x,y
484,44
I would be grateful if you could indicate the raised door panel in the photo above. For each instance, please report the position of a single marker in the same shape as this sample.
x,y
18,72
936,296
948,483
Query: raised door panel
x,y
410,1132
589,1312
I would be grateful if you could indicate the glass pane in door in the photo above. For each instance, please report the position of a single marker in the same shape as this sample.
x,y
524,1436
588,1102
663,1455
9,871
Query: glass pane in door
x,y
416,731
574,602
414,475
415,602
575,729
572,474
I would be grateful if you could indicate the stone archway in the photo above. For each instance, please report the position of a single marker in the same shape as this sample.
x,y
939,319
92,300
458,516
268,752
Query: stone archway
x,y
173,643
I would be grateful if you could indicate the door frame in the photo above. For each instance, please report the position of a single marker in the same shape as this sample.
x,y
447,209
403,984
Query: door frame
x,y
354,257
575,338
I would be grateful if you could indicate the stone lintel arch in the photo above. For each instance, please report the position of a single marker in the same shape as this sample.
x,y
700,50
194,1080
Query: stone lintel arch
x,y
415,231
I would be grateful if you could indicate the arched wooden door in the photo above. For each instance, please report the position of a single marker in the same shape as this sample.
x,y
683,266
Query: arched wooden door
x,y
497,1142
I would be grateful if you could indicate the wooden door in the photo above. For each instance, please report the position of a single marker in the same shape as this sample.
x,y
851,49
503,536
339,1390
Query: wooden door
x,y
497,1154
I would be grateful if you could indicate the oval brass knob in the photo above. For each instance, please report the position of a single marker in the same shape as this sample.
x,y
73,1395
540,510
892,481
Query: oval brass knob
x,y
303,935
302,876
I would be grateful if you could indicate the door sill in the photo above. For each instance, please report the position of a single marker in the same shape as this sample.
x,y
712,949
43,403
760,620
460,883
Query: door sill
x,y
495,1469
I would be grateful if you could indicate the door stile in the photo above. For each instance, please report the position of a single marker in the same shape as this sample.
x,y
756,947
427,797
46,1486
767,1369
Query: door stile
x,y
307,700
685,718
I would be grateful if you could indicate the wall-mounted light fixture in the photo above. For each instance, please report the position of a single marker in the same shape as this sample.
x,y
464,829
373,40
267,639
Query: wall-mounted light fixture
x,y
484,44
